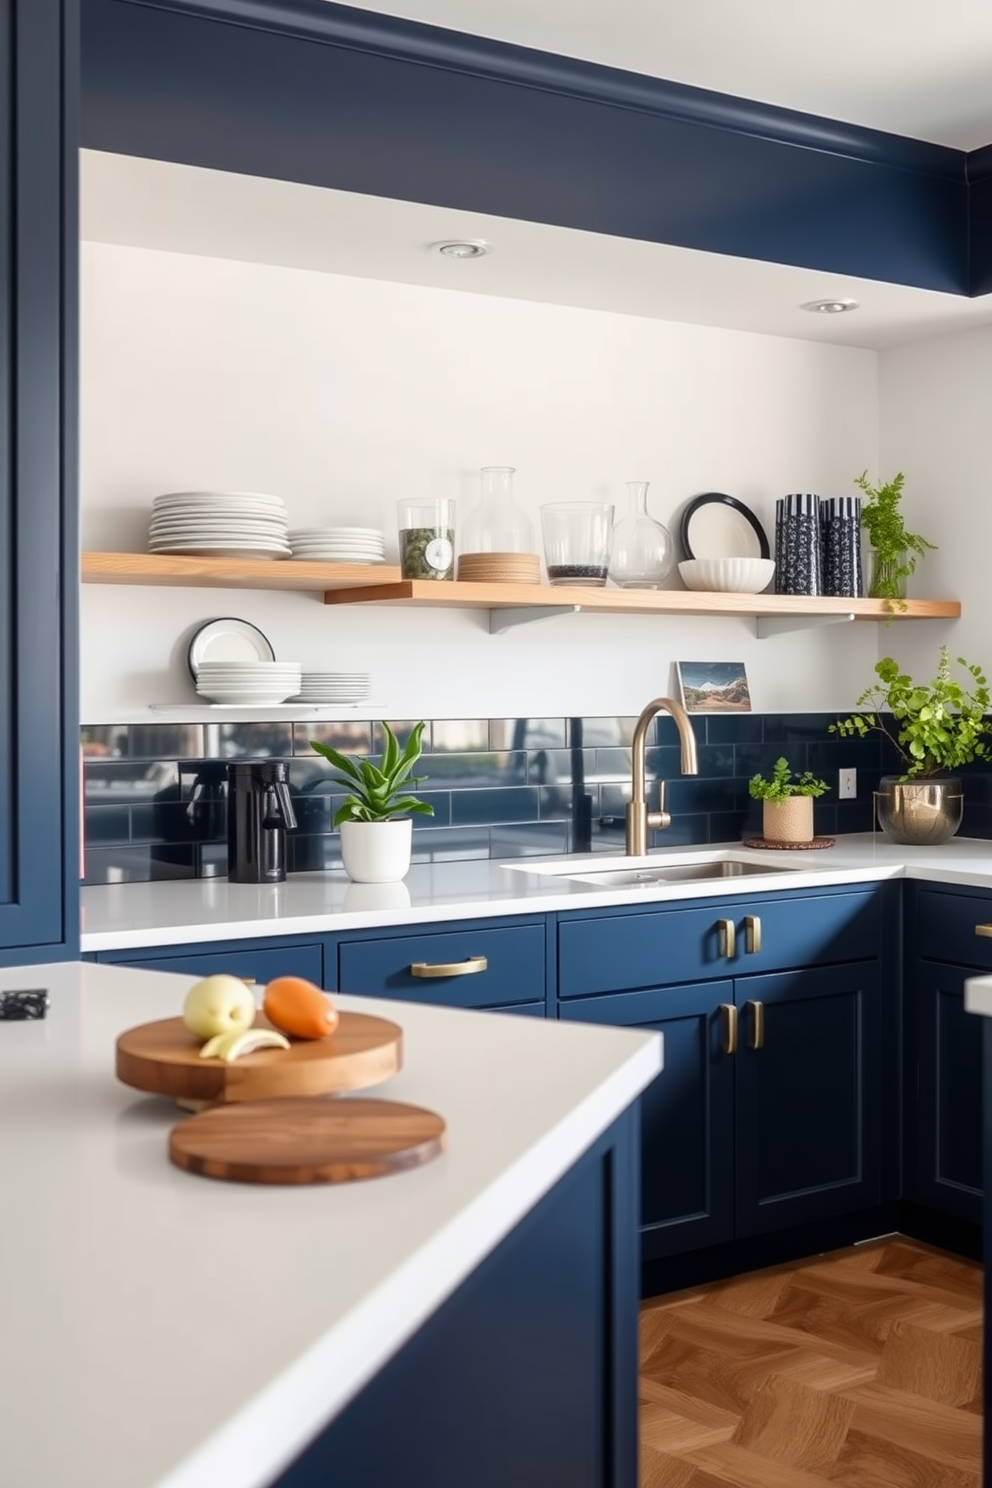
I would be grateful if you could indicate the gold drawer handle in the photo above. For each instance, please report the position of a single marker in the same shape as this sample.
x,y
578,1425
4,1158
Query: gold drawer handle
x,y
752,934
727,937
985,930
729,1043
471,966
756,1016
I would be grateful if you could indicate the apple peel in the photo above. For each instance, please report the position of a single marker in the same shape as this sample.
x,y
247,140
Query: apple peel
x,y
231,1046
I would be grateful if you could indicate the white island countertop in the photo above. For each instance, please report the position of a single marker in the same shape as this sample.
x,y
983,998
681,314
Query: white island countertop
x,y
159,1330
175,912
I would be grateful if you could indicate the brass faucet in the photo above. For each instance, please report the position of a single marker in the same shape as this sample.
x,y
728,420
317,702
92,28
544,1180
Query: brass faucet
x,y
639,818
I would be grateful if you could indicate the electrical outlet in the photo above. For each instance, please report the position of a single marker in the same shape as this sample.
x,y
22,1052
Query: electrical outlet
x,y
847,785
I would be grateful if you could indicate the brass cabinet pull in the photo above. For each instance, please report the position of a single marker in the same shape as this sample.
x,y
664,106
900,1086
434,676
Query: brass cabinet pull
x,y
985,930
752,934
727,937
729,1011
756,1016
471,966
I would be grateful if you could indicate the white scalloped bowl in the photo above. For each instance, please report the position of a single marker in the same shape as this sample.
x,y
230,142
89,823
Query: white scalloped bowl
x,y
727,575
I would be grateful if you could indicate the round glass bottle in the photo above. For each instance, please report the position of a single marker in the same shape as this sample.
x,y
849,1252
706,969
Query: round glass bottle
x,y
642,548
497,524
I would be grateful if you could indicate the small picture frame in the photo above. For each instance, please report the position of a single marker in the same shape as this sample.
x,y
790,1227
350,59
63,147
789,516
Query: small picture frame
x,y
713,686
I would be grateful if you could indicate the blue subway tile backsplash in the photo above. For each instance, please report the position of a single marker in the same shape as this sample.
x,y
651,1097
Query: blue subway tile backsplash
x,y
155,794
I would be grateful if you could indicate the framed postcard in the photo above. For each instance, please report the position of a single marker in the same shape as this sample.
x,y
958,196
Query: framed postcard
x,y
713,686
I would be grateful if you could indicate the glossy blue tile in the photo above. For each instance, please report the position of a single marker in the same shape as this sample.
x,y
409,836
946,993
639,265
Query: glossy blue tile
x,y
688,796
734,728
601,733
532,840
555,802
450,844
104,742
119,782
312,854
176,821
554,766
156,741
138,864
459,771
729,826
686,830
470,808
107,824
458,735
402,728
249,740
527,733
859,815
345,735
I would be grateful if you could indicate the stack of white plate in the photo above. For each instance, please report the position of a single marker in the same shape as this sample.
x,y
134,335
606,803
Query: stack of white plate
x,y
334,687
338,544
219,524
251,682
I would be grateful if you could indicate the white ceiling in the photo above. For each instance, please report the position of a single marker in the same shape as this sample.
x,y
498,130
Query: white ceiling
x,y
182,209
915,67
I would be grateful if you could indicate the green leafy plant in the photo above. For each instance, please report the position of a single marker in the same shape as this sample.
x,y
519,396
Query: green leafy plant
x,y
378,793
941,724
896,550
782,786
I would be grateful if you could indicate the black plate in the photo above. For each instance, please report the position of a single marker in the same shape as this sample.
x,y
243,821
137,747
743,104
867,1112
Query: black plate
x,y
737,515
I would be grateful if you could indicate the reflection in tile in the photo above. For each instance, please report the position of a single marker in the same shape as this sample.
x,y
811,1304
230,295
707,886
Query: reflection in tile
x,y
461,770
685,831
688,795
528,841
165,740
99,742
485,807
248,740
527,733
105,824
107,781
556,803
173,821
554,766
137,864
731,826
449,845
454,735
600,733
345,736
308,854
734,728
402,728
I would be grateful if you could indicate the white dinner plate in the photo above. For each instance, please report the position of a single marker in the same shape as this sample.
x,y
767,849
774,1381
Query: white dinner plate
x,y
227,639
221,550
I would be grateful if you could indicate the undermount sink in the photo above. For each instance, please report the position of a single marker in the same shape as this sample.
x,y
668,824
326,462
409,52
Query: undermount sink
x,y
633,873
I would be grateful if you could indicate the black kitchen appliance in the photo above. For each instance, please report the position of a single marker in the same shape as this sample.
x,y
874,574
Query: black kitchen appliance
x,y
259,813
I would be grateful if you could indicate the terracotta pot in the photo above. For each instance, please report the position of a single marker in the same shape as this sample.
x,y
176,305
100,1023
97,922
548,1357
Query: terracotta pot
x,y
790,820
376,852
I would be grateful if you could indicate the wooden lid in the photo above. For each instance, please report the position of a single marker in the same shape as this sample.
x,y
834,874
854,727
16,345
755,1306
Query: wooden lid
x,y
306,1141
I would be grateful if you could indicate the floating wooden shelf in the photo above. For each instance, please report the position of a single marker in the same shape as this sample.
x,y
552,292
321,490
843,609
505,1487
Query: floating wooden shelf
x,y
508,604
230,573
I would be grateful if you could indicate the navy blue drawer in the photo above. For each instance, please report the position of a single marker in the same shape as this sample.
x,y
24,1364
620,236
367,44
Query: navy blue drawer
x,y
258,965
946,928
619,952
514,970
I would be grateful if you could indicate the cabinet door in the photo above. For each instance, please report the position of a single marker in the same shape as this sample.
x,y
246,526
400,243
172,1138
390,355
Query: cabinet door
x,y
687,1113
471,965
944,1094
39,740
251,962
808,1098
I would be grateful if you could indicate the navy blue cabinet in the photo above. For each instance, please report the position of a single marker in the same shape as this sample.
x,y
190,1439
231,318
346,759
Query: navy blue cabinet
x,y
944,1093
769,1111
39,745
257,961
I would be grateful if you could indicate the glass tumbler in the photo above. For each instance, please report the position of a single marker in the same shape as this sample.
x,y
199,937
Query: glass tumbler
x,y
427,538
577,539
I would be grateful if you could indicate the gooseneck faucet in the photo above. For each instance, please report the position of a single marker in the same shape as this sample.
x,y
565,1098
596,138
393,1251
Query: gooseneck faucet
x,y
639,818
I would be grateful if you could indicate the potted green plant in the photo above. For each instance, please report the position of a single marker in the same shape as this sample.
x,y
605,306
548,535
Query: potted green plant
x,y
894,550
787,804
939,726
376,830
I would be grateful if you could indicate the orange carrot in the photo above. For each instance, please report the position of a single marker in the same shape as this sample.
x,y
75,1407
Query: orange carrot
x,y
298,1007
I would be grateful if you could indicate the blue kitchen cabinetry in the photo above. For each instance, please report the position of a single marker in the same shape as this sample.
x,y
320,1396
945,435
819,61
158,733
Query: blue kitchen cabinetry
x,y
257,961
39,732
769,1113
943,1109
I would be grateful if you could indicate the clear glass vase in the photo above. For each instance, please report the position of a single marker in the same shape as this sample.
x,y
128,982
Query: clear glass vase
x,y
886,582
642,548
497,524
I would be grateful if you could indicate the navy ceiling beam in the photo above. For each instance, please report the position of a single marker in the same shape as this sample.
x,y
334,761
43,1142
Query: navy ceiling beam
x,y
329,96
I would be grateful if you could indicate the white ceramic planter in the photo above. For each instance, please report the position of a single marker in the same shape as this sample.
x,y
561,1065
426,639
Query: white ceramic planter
x,y
790,820
376,852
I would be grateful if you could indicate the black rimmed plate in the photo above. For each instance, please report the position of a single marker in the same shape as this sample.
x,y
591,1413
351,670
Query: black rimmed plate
x,y
228,639
719,526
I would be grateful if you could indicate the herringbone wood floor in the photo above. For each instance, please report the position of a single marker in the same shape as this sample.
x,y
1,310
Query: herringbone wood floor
x,y
862,1368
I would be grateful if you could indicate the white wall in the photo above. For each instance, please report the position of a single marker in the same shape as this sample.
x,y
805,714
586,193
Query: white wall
x,y
934,426
344,394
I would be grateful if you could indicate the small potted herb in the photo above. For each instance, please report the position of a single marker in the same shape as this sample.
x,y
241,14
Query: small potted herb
x,y
894,550
939,726
376,832
787,804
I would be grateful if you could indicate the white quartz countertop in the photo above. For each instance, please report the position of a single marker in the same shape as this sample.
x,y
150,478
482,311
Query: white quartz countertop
x,y
159,1330
174,912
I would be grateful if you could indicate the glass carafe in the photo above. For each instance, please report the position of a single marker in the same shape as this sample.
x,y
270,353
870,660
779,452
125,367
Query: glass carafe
x,y
497,524
642,548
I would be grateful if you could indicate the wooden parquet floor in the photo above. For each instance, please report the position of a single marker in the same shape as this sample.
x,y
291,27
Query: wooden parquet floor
x,y
861,1368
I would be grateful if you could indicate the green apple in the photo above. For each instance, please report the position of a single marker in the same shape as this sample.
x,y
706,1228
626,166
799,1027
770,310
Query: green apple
x,y
218,1004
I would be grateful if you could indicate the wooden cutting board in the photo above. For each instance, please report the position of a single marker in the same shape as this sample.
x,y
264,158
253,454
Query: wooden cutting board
x,y
306,1141
164,1059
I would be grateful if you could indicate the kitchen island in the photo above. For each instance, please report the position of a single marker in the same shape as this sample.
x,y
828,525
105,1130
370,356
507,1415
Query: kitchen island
x,y
473,1319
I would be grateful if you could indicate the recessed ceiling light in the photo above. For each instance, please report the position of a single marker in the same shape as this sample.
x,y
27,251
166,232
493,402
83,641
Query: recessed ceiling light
x,y
462,248
829,307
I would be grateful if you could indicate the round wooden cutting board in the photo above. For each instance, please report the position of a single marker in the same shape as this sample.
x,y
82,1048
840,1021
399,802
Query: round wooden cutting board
x,y
306,1141
164,1059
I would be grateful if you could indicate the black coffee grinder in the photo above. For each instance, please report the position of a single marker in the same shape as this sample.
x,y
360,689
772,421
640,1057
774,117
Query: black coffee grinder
x,y
259,813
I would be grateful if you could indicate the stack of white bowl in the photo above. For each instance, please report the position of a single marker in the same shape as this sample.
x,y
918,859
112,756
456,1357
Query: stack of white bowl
x,y
261,683
338,544
334,687
219,524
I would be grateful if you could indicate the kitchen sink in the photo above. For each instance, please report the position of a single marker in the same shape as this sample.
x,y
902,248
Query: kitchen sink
x,y
654,872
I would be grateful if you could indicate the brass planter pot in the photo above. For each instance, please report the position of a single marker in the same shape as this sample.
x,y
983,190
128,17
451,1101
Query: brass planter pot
x,y
919,813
